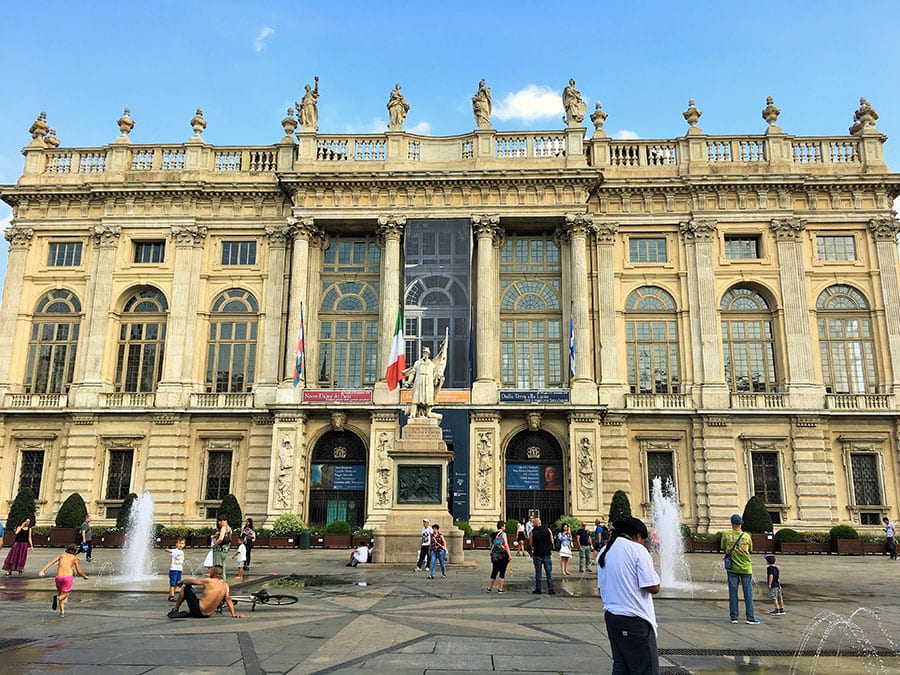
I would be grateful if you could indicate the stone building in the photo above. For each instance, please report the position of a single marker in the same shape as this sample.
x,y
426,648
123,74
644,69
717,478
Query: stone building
x,y
723,311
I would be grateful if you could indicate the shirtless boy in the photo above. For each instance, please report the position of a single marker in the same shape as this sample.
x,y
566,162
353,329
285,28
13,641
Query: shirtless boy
x,y
66,563
215,589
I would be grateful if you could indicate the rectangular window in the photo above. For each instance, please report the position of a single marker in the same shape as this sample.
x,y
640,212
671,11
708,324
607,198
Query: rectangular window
x,y
766,479
660,464
238,252
218,474
147,252
649,250
836,248
742,247
866,486
32,470
65,254
118,482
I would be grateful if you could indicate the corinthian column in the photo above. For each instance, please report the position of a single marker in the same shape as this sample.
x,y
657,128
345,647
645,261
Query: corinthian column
x,y
488,236
706,350
584,389
278,236
390,237
302,231
19,239
884,232
612,391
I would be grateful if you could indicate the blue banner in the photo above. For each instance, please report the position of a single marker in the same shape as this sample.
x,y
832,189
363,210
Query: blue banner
x,y
534,396
523,476
349,477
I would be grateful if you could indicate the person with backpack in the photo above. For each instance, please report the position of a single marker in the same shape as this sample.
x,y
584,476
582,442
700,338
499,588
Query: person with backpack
x,y
499,557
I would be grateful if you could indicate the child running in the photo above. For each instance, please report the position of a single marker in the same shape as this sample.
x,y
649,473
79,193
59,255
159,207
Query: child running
x,y
176,567
66,563
774,585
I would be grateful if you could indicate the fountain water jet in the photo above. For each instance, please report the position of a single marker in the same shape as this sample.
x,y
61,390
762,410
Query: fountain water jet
x,y
674,571
138,540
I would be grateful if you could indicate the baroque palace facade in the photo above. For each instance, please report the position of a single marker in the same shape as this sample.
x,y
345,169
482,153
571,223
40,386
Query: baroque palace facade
x,y
733,302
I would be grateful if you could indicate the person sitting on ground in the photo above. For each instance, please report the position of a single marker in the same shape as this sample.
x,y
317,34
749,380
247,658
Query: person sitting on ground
x,y
361,555
215,590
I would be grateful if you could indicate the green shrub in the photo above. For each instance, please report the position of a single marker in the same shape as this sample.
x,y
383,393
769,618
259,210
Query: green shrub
x,y
842,532
364,532
263,532
573,523
22,508
338,527
175,532
511,526
39,531
756,518
814,537
465,527
873,538
72,512
788,535
203,531
685,531
232,511
619,507
485,531
709,536
124,512
288,525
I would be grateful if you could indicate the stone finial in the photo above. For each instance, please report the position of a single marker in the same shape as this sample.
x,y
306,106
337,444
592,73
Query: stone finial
x,y
39,127
598,117
198,124
692,115
50,140
126,124
863,118
770,113
289,124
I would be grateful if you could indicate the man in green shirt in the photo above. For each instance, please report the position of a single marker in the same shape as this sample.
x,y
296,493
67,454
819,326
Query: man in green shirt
x,y
738,545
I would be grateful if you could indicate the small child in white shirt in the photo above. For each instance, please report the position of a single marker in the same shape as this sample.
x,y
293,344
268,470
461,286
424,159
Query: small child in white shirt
x,y
175,567
241,555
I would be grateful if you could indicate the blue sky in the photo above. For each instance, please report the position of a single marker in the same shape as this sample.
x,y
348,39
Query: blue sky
x,y
245,63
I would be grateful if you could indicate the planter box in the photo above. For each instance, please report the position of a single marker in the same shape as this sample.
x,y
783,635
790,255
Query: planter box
x,y
482,542
700,546
361,541
337,541
111,540
793,547
198,540
9,537
317,541
763,542
283,542
468,544
63,536
874,548
261,542
848,546
167,541
820,547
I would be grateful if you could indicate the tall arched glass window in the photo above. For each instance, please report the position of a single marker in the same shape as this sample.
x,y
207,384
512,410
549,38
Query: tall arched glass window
x,y
53,343
142,338
748,342
846,346
231,352
651,334
530,316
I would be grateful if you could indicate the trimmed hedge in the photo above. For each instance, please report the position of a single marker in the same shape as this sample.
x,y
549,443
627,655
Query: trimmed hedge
x,y
231,509
756,518
338,527
124,512
22,508
72,512
842,532
788,535
287,525
619,507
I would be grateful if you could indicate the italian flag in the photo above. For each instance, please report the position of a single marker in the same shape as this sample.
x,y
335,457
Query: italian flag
x,y
397,362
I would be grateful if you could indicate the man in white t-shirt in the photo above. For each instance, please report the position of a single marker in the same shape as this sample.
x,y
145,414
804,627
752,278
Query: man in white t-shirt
x,y
422,562
627,583
360,555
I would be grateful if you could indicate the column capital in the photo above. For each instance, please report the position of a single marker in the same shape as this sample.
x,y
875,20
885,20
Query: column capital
x,y
787,229
578,224
606,232
698,230
18,237
302,228
488,227
278,235
188,235
390,227
105,236
884,229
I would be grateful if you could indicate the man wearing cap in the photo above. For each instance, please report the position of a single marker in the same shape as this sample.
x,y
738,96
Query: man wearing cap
x,y
739,546
422,562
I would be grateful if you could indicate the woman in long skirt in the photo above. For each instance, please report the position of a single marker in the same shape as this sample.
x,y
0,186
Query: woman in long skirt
x,y
18,554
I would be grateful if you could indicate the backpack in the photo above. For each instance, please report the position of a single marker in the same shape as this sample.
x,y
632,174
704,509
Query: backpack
x,y
498,553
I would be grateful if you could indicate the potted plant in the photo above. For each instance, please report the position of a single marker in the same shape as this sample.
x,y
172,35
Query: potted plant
x,y
40,535
758,523
317,538
482,538
200,537
286,530
789,541
262,538
874,544
68,521
337,534
705,543
169,536
845,540
468,534
362,537
816,542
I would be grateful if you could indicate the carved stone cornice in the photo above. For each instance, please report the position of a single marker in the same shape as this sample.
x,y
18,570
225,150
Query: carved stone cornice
x,y
484,416
385,417
787,229
578,225
606,232
488,226
188,235
698,230
390,228
18,237
303,228
278,235
884,229
105,236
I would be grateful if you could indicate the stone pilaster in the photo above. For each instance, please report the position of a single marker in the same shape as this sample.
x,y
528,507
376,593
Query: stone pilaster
x,y
382,475
812,465
486,468
884,232
715,478
612,390
288,483
176,383
390,235
19,238
577,228
616,457
709,386
803,390
311,321
488,238
268,379
584,463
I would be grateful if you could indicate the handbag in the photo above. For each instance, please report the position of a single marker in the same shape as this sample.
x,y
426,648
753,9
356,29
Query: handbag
x,y
727,561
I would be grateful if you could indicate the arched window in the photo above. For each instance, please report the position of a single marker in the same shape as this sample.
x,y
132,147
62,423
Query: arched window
x,y
846,346
231,352
53,343
651,334
142,338
530,316
434,304
748,342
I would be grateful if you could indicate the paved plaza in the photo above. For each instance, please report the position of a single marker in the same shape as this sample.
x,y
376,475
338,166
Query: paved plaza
x,y
394,620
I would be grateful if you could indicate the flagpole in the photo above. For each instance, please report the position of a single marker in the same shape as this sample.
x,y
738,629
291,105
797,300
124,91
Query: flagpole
x,y
303,349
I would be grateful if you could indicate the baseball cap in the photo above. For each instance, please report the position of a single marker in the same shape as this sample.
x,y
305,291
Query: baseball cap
x,y
770,559
736,519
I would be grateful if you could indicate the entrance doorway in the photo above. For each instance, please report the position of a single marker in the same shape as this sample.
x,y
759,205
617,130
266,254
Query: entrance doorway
x,y
535,477
338,480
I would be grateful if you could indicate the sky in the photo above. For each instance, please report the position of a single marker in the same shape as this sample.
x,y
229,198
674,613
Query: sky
x,y
245,63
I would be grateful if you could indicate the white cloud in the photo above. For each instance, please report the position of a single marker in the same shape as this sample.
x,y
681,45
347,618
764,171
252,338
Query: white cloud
x,y
260,42
626,135
532,103
421,128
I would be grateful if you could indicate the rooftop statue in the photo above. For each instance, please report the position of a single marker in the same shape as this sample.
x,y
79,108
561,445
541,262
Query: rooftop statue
x,y
307,109
864,117
397,109
481,106
574,105
425,378
39,127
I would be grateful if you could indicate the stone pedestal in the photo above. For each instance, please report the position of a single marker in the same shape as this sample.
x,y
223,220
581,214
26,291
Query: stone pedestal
x,y
420,491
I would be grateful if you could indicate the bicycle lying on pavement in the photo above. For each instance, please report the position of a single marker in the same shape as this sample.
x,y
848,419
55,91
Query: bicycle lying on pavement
x,y
262,597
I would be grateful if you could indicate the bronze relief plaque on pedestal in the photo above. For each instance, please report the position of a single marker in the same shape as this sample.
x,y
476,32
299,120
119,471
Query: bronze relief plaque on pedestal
x,y
419,484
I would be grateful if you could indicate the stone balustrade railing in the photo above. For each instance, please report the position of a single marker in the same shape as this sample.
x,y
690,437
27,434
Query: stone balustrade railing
x,y
488,149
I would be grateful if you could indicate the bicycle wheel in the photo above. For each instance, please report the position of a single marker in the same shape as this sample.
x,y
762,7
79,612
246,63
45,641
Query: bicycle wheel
x,y
279,600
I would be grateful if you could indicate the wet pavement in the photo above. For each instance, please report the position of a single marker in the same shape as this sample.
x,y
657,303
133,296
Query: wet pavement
x,y
842,617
